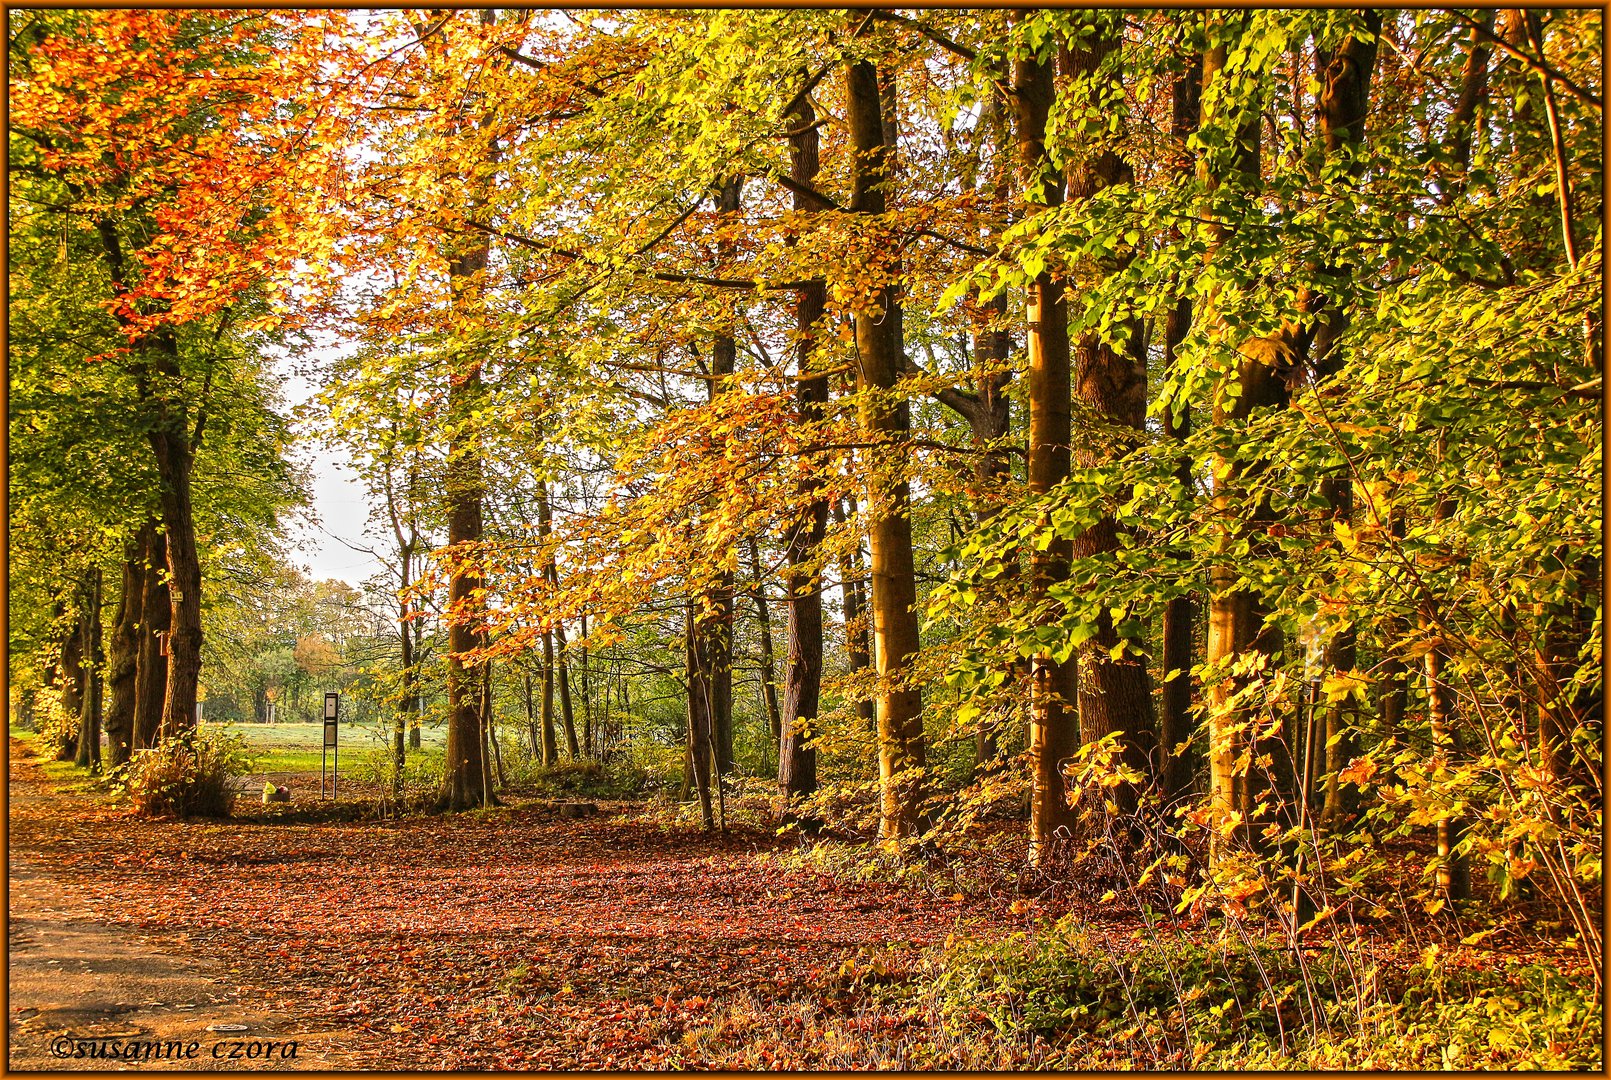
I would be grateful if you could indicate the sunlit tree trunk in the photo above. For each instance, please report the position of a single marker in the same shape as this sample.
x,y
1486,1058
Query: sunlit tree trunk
x,y
464,784
1235,617
122,660
887,423
1053,737
1115,693
1342,108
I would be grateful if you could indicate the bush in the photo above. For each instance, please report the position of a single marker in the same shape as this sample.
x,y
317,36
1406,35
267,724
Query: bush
x,y
186,776
56,726
1227,1002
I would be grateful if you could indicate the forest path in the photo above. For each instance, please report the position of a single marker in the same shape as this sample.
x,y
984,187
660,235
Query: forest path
x,y
498,939
74,974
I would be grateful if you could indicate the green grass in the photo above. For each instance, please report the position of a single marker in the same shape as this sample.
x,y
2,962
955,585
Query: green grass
x,y
296,748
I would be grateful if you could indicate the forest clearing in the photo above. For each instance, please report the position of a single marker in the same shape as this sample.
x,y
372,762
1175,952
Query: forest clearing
x,y
890,538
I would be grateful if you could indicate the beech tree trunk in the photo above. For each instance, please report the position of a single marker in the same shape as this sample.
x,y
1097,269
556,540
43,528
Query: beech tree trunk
x,y
714,637
1115,694
122,661
88,754
550,744
1053,737
887,423
73,676
1180,613
701,745
567,717
151,671
858,642
1342,108
802,580
763,625
1235,616
464,784
171,442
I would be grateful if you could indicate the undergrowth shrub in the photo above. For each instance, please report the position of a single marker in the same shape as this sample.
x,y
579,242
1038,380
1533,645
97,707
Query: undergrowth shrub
x,y
56,726
1230,1001
186,776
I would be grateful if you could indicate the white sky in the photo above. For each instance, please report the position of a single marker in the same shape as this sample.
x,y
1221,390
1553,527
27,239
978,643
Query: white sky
x,y
340,507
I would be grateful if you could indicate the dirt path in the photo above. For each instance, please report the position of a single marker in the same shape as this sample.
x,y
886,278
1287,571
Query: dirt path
x,y
77,980
499,940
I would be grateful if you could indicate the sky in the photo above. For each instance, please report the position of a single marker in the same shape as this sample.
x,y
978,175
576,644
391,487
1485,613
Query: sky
x,y
340,507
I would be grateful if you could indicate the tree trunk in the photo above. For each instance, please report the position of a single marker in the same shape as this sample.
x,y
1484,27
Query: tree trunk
x,y
701,751
73,679
1180,613
886,422
151,670
123,655
1342,108
550,745
1053,737
464,783
714,637
171,442
567,717
1115,693
587,698
89,713
763,624
858,642
802,581
1235,618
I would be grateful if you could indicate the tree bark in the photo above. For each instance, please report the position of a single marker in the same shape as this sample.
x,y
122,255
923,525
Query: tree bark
x,y
1180,613
763,624
1115,694
1053,737
1342,108
1235,616
123,655
73,680
886,421
701,749
151,672
88,754
858,642
714,637
550,744
464,783
171,442
567,716
802,581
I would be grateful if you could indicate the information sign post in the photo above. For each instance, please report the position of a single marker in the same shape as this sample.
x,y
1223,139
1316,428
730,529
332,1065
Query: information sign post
x,y
330,749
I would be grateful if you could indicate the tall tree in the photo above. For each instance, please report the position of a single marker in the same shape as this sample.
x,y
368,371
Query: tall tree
x,y
1053,736
466,253
802,581
1110,381
886,420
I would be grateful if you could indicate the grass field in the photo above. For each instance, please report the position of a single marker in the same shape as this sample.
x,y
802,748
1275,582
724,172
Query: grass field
x,y
296,747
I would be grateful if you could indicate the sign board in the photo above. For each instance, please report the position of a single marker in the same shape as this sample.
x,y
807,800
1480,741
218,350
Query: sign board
x,y
332,710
